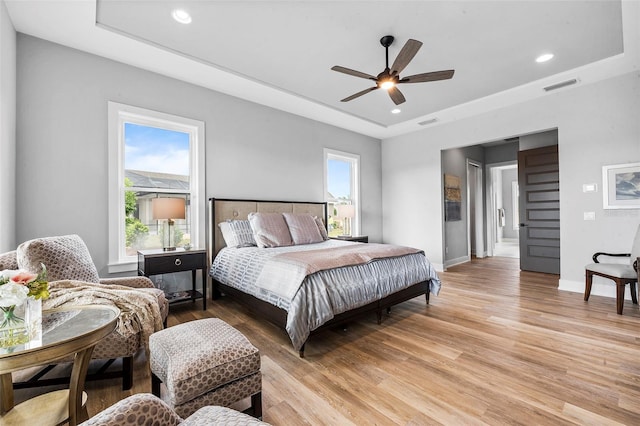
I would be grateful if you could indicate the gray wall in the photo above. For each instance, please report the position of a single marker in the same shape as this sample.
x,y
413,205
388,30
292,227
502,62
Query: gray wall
x,y
251,151
501,153
597,125
7,131
454,162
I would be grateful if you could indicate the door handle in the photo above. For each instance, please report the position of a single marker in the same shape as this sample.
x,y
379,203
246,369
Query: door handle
x,y
522,225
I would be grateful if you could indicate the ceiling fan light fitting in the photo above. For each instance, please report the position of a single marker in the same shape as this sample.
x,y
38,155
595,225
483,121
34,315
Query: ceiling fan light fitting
x,y
387,84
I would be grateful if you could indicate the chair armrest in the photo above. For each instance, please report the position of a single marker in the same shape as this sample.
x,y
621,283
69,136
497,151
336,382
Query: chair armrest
x,y
137,409
595,256
135,282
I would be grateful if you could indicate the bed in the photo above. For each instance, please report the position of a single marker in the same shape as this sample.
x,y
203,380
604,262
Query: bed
x,y
306,287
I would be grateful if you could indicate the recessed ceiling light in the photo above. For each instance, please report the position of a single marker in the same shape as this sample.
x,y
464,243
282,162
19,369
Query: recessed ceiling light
x,y
544,58
181,16
396,111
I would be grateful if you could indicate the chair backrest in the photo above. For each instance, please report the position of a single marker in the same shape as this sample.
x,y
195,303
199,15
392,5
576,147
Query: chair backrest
x,y
635,250
8,260
66,257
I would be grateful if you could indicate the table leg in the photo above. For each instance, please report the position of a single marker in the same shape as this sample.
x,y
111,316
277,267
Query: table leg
x,y
6,393
204,289
77,413
193,285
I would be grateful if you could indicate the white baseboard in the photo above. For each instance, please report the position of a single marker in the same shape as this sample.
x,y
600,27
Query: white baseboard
x,y
597,288
453,262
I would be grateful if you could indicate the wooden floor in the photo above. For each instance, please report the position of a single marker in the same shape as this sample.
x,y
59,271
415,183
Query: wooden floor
x,y
497,346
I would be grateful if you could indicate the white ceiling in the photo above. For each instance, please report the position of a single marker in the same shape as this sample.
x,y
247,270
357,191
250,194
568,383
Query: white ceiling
x,y
279,53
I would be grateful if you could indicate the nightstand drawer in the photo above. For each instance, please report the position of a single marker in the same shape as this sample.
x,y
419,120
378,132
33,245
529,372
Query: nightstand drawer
x,y
168,263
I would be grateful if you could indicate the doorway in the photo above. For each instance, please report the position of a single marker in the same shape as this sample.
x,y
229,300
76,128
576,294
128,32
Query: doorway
x,y
503,231
475,211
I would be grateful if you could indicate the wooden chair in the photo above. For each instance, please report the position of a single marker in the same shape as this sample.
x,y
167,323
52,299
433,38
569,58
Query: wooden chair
x,y
621,273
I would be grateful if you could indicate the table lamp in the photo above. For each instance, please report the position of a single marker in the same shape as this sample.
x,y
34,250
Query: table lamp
x,y
346,211
168,209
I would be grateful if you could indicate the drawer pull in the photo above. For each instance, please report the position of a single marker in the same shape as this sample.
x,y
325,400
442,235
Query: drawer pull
x,y
178,262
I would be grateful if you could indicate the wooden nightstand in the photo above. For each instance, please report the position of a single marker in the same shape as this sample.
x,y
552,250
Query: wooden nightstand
x,y
156,262
355,238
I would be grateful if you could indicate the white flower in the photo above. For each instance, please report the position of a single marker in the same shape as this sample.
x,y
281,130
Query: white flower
x,y
7,274
13,294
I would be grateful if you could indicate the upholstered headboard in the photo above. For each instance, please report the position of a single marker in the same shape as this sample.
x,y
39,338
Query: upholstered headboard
x,y
222,209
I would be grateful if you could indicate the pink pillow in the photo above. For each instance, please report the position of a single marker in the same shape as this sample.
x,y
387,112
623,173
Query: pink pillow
x,y
270,230
303,228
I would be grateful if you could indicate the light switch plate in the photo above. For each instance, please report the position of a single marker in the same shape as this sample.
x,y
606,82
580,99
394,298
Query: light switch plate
x,y
590,187
589,215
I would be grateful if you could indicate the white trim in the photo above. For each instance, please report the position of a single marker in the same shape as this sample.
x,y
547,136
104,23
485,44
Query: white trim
x,y
479,209
603,288
453,262
118,114
354,159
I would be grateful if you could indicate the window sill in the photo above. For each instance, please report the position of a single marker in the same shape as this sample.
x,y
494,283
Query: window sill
x,y
124,266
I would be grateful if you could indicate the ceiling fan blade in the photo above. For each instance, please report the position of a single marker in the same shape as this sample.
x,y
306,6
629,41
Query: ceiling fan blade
x,y
353,72
357,95
396,96
428,76
405,56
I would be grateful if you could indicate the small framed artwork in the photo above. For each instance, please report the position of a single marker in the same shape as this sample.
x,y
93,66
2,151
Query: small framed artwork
x,y
452,198
621,186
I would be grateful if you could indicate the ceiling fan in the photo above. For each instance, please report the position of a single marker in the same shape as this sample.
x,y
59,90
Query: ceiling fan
x,y
390,77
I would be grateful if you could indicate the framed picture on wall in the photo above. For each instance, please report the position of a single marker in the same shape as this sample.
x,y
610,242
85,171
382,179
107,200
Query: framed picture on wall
x,y
621,186
452,198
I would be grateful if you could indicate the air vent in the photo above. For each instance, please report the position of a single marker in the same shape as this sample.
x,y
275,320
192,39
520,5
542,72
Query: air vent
x,y
429,121
561,84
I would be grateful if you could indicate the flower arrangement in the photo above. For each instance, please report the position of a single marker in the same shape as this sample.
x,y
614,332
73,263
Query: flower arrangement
x,y
16,287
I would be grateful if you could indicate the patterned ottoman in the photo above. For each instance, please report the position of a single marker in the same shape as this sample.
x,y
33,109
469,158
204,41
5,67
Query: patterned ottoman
x,y
205,362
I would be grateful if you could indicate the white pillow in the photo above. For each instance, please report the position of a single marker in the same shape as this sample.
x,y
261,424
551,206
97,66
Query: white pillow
x,y
270,230
237,233
303,228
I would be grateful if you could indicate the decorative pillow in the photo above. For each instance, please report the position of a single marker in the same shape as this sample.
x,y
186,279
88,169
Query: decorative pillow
x,y
303,228
66,258
237,233
321,228
270,229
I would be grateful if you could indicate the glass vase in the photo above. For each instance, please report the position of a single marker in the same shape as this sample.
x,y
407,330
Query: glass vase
x,y
20,323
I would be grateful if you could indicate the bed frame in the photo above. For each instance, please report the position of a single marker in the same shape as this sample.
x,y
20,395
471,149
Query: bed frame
x,y
222,209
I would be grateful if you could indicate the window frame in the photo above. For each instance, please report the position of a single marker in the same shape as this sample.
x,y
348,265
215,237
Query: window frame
x,y
118,115
354,159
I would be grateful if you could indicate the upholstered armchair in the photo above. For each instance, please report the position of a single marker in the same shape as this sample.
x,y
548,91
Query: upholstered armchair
x,y
73,279
147,409
620,273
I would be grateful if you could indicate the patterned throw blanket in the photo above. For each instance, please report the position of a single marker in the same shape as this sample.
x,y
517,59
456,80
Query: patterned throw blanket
x,y
284,273
139,310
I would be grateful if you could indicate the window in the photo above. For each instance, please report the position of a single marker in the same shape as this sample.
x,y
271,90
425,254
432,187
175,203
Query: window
x,y
342,188
152,155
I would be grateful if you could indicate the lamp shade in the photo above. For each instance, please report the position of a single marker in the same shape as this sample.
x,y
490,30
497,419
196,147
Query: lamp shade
x,y
346,210
167,208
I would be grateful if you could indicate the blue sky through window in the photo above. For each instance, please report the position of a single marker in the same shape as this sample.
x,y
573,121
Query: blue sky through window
x,y
339,178
153,149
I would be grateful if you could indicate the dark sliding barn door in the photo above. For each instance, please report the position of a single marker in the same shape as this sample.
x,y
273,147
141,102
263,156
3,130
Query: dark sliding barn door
x,y
538,179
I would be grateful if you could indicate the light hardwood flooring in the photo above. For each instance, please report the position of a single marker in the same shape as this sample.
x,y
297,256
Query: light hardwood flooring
x,y
497,346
